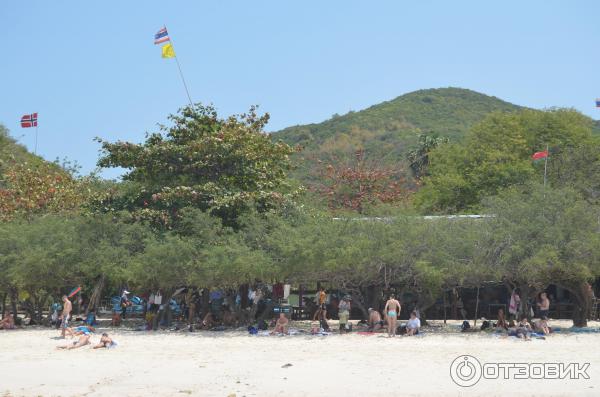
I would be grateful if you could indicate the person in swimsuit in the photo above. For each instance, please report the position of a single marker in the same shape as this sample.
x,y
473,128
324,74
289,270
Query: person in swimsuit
x,y
66,314
84,339
81,330
106,342
543,305
375,321
392,312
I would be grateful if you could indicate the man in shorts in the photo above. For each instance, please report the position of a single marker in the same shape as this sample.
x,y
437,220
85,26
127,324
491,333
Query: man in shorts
x,y
66,313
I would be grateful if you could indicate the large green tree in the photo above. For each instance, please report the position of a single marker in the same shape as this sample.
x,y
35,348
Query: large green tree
x,y
223,166
497,154
541,237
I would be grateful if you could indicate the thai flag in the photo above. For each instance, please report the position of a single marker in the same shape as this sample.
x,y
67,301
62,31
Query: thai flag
x,y
598,103
161,36
29,120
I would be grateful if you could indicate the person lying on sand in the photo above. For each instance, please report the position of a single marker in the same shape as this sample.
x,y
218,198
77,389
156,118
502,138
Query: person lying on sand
x,y
281,326
413,325
8,322
83,340
106,342
81,330
375,321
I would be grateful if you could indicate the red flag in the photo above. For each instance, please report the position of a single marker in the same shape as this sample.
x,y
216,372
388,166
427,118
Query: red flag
x,y
540,155
29,120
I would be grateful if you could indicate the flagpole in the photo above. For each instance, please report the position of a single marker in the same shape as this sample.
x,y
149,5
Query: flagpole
x,y
546,165
36,137
180,72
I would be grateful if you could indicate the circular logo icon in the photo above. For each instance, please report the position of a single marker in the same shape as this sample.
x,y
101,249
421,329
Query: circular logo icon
x,y
465,371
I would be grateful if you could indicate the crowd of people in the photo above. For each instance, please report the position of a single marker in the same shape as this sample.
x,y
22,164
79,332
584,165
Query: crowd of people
x,y
515,323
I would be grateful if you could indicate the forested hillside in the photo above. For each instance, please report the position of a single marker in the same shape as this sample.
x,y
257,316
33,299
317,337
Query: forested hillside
x,y
387,131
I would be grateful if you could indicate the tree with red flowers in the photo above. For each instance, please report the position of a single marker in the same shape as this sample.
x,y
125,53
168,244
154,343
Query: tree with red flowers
x,y
359,183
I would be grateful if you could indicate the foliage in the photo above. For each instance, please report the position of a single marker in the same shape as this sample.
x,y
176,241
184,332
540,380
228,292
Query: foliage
x,y
497,154
360,183
419,157
27,190
542,237
12,152
223,166
390,130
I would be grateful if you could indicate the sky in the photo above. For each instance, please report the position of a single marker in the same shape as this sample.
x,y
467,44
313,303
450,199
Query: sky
x,y
90,69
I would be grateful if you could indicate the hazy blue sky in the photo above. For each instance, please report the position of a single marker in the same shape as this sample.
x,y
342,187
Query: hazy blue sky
x,y
91,68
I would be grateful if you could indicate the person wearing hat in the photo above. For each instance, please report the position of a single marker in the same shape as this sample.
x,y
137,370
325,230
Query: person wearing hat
x,y
344,313
124,302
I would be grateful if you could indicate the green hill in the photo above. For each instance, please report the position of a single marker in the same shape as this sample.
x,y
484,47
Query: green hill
x,y
387,131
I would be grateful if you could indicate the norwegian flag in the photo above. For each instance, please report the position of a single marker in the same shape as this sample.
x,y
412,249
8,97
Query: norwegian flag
x,y
29,120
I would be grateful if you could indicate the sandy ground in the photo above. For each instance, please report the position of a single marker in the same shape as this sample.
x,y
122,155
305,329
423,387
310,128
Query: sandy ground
x,y
235,364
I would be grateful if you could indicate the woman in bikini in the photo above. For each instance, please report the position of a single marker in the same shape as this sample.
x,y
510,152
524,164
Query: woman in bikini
x,y
392,312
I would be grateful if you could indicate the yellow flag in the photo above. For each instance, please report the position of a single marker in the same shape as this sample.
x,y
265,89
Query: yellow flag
x,y
168,51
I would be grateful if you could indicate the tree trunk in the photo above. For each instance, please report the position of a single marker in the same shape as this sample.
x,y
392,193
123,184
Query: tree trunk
x,y
582,306
205,301
476,307
40,305
96,294
444,304
3,309
13,300
358,301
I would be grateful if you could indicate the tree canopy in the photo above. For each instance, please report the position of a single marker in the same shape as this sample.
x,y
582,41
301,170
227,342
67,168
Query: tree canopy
x,y
223,166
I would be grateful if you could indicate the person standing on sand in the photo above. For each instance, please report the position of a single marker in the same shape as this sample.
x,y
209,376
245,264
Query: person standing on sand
x,y
344,313
392,312
66,313
543,305
321,298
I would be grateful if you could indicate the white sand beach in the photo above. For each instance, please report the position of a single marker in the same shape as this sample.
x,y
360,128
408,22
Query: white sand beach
x,y
232,363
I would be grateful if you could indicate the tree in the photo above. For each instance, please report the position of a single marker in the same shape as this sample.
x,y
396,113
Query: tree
x,y
222,166
497,154
47,256
358,184
27,190
419,157
542,237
